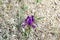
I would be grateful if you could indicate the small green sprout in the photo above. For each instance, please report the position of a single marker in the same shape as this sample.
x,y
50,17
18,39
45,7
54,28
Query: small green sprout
x,y
26,33
38,1
21,11
23,8
41,18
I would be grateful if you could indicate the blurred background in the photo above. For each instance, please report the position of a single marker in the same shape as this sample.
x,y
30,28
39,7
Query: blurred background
x,y
45,12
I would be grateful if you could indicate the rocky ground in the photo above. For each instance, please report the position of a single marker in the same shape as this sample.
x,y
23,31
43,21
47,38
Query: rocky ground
x,y
45,12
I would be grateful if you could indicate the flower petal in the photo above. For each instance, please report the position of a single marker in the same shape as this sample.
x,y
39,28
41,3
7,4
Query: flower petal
x,y
23,24
34,25
32,18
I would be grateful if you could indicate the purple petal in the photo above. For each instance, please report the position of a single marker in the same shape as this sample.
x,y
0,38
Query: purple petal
x,y
32,18
23,24
33,26
29,20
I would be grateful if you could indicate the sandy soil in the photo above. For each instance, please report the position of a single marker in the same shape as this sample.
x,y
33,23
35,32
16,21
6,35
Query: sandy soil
x,y
14,12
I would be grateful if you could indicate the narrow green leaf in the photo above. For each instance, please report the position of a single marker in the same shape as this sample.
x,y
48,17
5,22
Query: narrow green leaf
x,y
0,2
25,34
21,11
38,1
25,7
40,18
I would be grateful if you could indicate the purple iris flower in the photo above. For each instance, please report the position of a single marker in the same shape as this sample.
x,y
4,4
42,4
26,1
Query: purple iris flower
x,y
29,21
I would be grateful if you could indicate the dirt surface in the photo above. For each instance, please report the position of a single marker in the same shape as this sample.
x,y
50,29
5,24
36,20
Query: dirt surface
x,y
45,12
